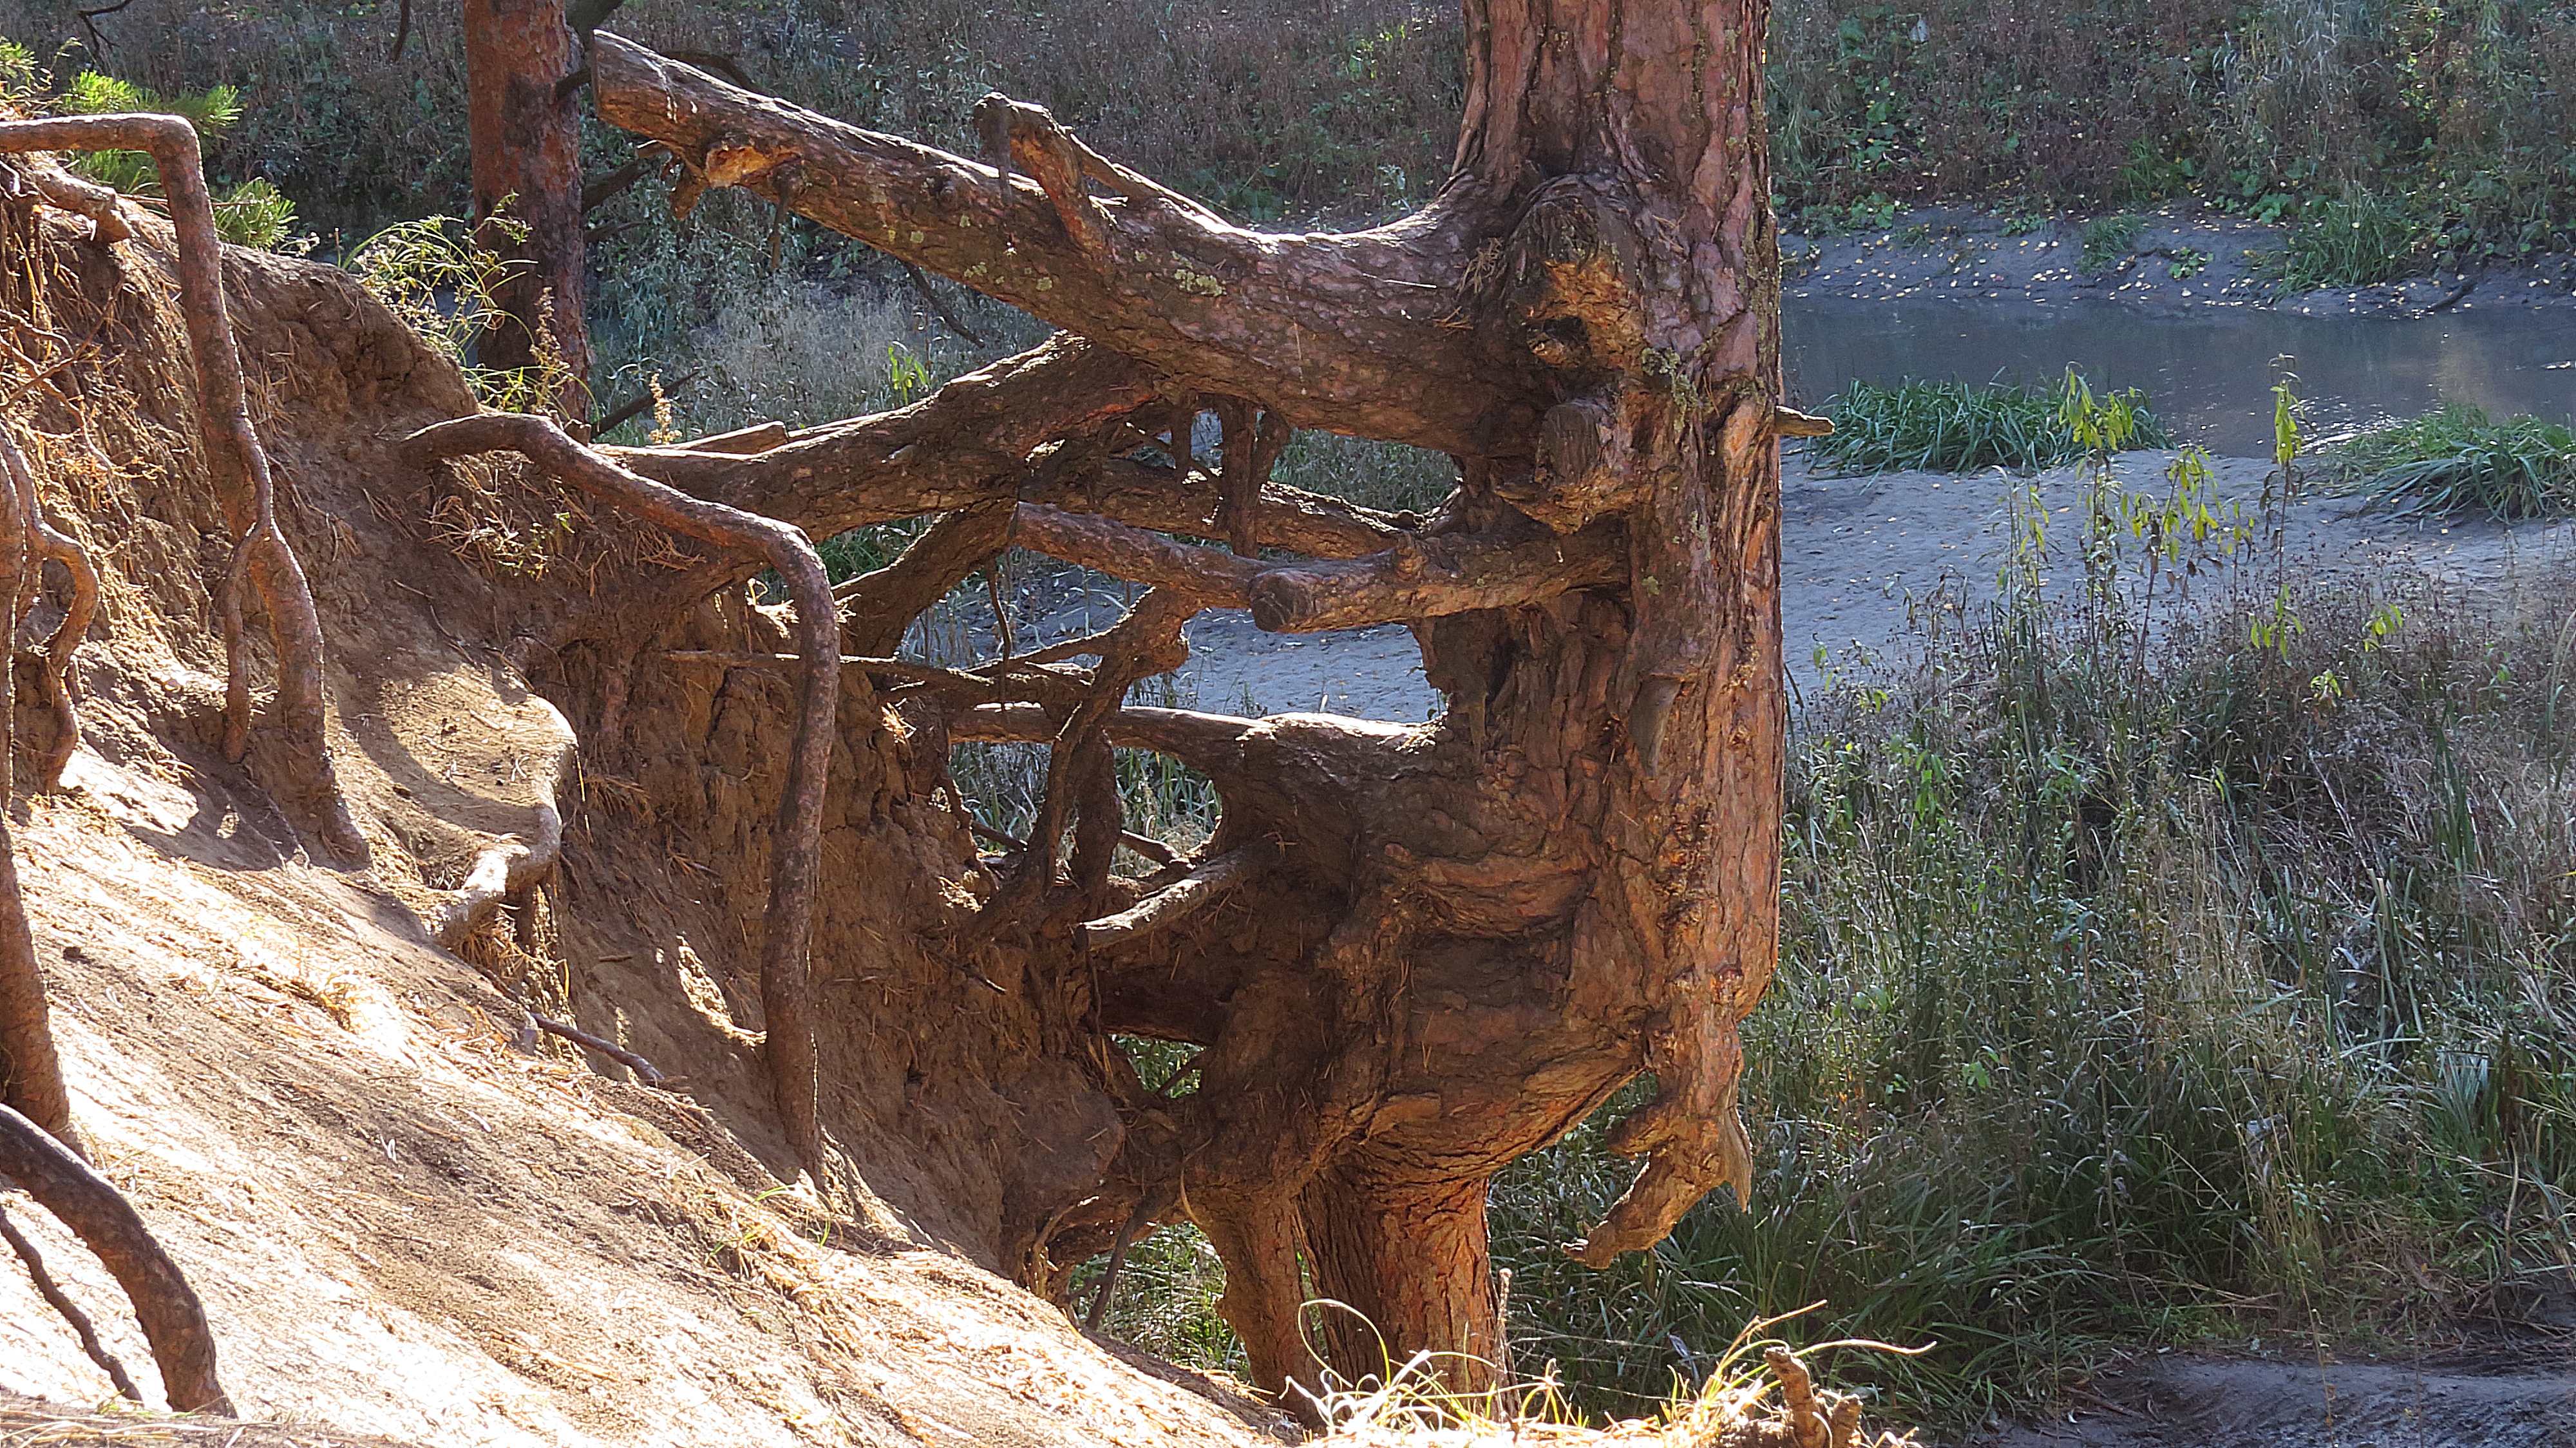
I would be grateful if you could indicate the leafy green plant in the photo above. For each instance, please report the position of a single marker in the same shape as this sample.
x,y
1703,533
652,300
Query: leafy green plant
x,y
253,213
1954,427
2107,243
2455,459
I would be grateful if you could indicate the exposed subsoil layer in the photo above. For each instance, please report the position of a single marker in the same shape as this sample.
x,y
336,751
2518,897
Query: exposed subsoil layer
x,y
406,1213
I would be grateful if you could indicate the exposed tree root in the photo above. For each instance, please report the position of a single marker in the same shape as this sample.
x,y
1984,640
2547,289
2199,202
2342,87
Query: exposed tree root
x,y
1473,931
46,545
31,1072
796,858
508,867
173,1321
262,556
68,1310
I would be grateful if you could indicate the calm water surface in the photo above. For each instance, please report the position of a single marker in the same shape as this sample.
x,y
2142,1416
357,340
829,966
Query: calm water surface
x,y
2209,376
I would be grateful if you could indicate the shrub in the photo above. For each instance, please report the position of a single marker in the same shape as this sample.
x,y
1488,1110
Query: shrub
x,y
2355,242
2213,998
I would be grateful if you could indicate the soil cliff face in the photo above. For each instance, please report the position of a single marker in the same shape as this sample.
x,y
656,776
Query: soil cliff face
x,y
406,1216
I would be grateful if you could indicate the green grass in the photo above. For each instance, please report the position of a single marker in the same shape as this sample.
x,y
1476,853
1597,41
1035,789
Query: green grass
x,y
2119,1006
2356,241
2108,241
2455,459
1952,427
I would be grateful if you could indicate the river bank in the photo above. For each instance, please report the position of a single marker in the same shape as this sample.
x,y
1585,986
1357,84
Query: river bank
x,y
2181,259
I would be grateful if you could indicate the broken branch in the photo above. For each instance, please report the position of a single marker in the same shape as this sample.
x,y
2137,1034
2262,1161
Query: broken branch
x,y
796,861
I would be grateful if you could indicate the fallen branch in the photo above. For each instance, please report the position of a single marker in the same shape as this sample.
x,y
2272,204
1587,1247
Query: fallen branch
x,y
1183,898
797,858
46,545
261,556
68,1310
645,1071
1425,578
173,1321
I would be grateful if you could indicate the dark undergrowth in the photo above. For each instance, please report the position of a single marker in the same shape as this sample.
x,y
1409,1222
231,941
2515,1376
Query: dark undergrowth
x,y
1952,427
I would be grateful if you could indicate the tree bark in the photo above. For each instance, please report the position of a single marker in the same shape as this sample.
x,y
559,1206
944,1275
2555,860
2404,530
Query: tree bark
x,y
526,141
1477,929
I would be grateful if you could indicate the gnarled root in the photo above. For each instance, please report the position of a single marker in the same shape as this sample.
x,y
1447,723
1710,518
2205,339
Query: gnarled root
x,y
31,1073
796,861
68,1310
47,545
262,556
508,866
173,1321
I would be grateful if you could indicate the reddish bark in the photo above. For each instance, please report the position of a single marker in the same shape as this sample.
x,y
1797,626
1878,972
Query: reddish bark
x,y
525,131
1475,930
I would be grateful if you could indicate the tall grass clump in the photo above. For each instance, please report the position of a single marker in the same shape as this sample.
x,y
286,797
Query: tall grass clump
x,y
2211,984
2455,459
2355,241
1954,427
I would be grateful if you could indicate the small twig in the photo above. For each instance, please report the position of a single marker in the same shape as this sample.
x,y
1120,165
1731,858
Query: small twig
x,y
984,831
82,1327
402,31
921,284
644,1070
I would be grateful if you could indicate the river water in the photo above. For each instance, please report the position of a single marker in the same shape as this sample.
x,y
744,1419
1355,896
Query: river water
x,y
2208,374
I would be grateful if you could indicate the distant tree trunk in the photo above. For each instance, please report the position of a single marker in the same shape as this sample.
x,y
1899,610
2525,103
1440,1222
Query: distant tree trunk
x,y
526,140
1410,954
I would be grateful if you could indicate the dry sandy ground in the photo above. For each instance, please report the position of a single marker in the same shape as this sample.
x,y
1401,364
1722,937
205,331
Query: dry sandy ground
x,y
2455,1401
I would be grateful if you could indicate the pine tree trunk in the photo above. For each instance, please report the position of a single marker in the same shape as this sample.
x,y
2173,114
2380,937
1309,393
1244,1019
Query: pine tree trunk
x,y
526,141
1410,954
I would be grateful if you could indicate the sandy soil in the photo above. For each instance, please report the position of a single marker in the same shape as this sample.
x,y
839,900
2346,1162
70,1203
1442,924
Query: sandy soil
x,y
2183,260
2457,1400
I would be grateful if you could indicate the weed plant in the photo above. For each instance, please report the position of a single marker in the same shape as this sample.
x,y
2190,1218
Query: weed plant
x,y
1952,427
2203,985
2455,459
2108,241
